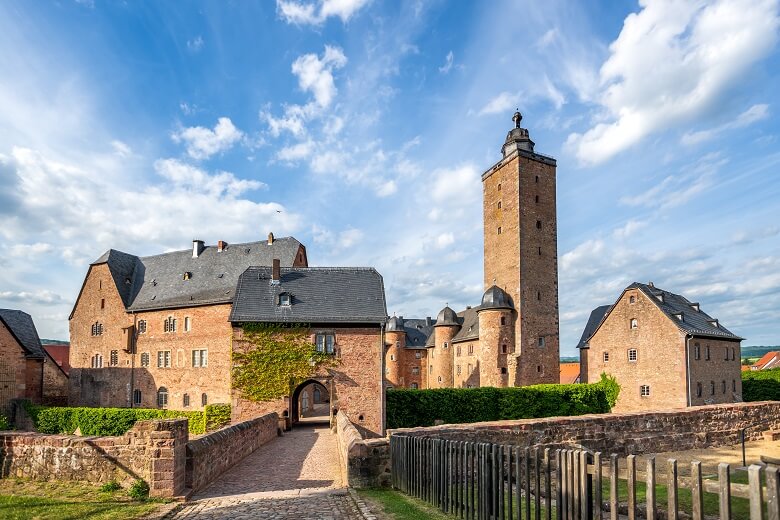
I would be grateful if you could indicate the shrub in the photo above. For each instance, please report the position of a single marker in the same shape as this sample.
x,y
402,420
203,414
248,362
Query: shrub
x,y
761,385
216,416
410,408
110,487
611,387
104,421
139,490
4,423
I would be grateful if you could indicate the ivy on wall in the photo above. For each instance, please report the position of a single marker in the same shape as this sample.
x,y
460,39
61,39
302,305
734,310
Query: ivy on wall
x,y
280,358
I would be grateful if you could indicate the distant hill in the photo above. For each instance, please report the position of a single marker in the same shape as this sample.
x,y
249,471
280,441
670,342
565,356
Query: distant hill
x,y
54,342
757,351
570,359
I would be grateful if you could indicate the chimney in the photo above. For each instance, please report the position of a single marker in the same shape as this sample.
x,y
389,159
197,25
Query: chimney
x,y
428,321
221,245
651,284
270,238
276,271
197,248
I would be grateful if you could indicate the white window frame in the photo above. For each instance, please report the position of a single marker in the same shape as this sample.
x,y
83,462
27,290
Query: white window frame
x,y
163,359
644,390
187,324
145,359
633,323
635,352
200,358
605,356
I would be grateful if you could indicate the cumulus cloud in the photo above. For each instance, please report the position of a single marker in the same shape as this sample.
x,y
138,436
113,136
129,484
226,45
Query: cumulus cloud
x,y
444,240
42,297
29,250
190,177
671,62
316,13
202,142
315,74
746,118
121,149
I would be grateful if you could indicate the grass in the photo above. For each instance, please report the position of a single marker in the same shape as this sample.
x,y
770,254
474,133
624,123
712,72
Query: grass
x,y
396,505
25,499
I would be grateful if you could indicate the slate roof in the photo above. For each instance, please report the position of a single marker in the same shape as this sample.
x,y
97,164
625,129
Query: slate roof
x,y
469,325
319,295
595,319
22,327
418,332
696,322
157,282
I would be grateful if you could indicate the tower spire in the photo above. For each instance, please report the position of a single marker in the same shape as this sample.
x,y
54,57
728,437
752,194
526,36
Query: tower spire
x,y
517,118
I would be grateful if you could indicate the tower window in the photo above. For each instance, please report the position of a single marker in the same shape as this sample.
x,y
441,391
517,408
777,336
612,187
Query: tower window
x,y
539,295
102,303
503,370
540,342
633,323
439,379
503,348
644,390
499,204
499,230
503,320
417,355
499,186
537,178
632,355
392,357
446,345
538,224
606,357
539,368
540,251
537,199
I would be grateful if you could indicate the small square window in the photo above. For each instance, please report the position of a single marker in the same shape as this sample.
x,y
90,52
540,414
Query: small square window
x,y
606,357
644,390
634,324
632,355
632,299
285,299
413,386
540,342
417,355
503,370
538,224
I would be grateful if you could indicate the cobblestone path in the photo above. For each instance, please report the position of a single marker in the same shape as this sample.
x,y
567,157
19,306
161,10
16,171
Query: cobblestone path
x,y
294,476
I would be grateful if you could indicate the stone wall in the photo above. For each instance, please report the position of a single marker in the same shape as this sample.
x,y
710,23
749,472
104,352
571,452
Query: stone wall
x,y
624,433
213,454
365,462
152,450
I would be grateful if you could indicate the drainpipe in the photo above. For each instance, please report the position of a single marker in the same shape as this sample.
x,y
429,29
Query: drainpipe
x,y
382,378
132,362
688,339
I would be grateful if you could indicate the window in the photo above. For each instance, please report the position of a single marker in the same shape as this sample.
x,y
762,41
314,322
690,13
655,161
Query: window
x,y
499,204
606,357
539,295
136,397
430,369
632,299
187,324
723,386
200,358
503,349
417,355
644,390
537,199
185,400
633,323
169,325
415,371
632,355
707,352
392,357
712,387
471,350
503,370
142,327
499,186
537,178
439,379
164,359
503,320
457,370
540,251
538,224
97,329
97,361
499,230
470,368
413,386
113,359
145,359
540,342
696,351
162,397
458,351
733,354
285,299
446,345
698,389
204,399
325,342
102,303
187,275
539,368
733,385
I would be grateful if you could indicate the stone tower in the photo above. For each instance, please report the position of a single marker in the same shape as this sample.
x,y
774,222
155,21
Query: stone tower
x,y
521,252
440,357
395,338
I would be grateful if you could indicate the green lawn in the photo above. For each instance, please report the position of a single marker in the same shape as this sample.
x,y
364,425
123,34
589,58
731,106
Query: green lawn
x,y
398,506
25,499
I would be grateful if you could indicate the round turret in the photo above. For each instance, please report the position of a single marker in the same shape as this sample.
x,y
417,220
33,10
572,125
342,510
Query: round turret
x,y
496,298
396,323
446,317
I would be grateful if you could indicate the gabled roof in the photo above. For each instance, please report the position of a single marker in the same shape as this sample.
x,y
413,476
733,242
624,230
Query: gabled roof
x,y
21,326
768,359
570,373
122,267
469,325
318,295
595,319
417,332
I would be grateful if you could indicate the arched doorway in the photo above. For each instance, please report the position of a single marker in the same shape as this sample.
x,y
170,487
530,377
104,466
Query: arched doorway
x,y
310,402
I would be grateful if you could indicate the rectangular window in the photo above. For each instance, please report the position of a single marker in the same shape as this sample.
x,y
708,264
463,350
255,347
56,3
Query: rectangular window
x,y
415,371
417,355
457,369
633,323
430,369
707,352
325,342
457,351
632,355
726,352
413,386
136,397
471,349
470,368
606,357
164,359
200,358
644,390
113,360
187,324
696,351
145,359
169,325
540,342
142,327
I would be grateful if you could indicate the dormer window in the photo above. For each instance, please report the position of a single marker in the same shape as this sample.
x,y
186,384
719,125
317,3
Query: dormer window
x,y
187,275
713,323
660,297
696,307
680,316
285,299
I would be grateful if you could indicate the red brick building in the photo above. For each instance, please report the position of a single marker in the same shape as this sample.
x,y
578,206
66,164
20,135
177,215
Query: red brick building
x,y
26,370
663,349
511,338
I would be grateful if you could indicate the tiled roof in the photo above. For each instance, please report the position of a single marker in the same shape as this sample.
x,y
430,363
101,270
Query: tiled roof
x,y
319,295
570,373
158,281
595,319
767,359
22,327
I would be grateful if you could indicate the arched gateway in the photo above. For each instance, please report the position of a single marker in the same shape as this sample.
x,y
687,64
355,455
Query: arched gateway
x,y
311,401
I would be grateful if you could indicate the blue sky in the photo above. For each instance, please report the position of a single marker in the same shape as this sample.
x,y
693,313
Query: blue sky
x,y
361,128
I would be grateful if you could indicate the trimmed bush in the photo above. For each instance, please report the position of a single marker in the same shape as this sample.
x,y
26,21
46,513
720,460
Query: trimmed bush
x,y
139,490
4,423
110,486
410,408
105,421
216,416
761,385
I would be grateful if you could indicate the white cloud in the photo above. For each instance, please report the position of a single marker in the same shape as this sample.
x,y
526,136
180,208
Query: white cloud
x,y
746,118
296,152
503,102
444,240
42,297
202,142
191,177
28,250
507,102
350,237
315,13
195,44
121,149
628,229
444,69
454,186
671,62
547,39
315,74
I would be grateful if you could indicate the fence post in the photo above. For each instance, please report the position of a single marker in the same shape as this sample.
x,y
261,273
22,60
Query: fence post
x,y
527,464
518,484
724,483
650,488
597,485
548,483
631,473
696,491
537,486
613,487
754,481
559,484
772,474
671,489
585,492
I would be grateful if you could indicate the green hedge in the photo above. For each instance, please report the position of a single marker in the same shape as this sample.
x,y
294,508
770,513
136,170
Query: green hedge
x,y
410,408
4,423
105,421
761,385
216,416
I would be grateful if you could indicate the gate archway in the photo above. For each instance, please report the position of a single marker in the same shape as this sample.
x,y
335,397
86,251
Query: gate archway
x,y
305,409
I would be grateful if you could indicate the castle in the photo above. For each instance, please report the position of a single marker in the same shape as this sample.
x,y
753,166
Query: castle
x,y
511,338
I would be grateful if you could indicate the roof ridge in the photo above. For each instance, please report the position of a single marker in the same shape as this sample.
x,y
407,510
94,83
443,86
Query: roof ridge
x,y
229,245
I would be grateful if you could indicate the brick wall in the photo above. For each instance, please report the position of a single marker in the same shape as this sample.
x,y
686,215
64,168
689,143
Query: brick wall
x,y
624,433
55,384
154,451
14,381
365,462
213,454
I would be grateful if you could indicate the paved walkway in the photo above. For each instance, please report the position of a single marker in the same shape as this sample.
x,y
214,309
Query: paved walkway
x,y
295,476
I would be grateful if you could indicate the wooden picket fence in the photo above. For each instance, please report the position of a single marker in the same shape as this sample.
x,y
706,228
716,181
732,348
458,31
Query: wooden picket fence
x,y
485,481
